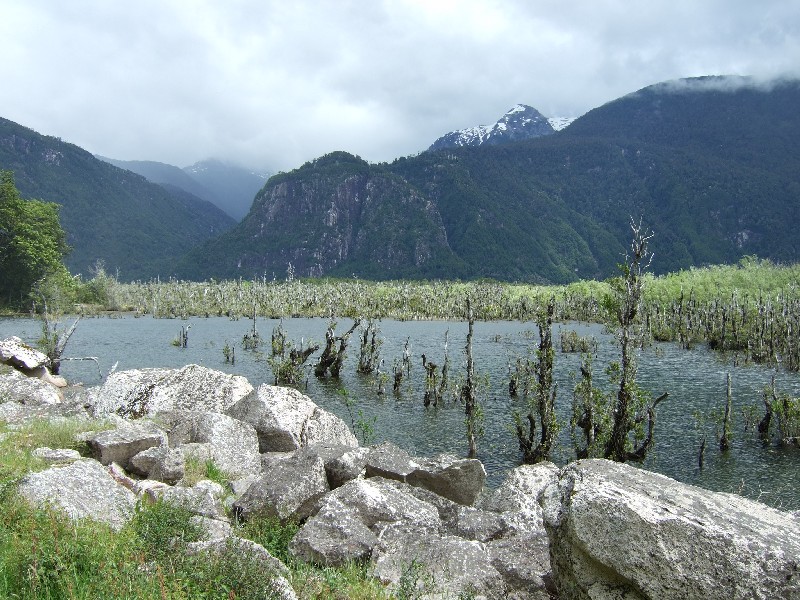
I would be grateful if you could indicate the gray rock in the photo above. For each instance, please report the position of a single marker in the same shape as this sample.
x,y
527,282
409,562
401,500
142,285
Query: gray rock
x,y
28,391
212,530
145,392
523,560
230,443
18,354
458,479
334,536
122,444
287,420
621,532
83,489
57,456
204,498
350,465
352,518
159,463
436,565
519,496
288,489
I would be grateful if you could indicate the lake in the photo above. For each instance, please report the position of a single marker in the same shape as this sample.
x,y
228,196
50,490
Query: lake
x,y
695,380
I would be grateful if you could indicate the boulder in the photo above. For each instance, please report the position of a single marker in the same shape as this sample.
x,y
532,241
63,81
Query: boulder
x,y
458,479
83,489
617,531
288,489
18,354
352,517
159,463
204,498
122,444
346,467
145,392
286,420
28,391
519,496
230,443
436,566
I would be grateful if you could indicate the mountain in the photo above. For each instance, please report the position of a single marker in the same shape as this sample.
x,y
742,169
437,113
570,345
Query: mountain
x,y
109,214
230,187
520,123
333,216
711,165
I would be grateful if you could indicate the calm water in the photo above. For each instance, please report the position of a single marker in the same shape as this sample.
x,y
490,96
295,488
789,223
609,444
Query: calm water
x,y
695,380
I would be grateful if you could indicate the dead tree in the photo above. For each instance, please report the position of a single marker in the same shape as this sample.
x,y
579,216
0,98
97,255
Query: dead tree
x,y
472,410
542,406
330,359
631,407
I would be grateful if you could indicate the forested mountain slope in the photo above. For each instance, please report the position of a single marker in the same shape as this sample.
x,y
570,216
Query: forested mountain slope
x,y
135,227
710,164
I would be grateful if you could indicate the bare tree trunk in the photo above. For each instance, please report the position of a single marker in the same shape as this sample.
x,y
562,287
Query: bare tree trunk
x,y
724,445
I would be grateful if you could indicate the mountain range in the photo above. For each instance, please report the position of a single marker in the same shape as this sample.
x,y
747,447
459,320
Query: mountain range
x,y
711,165
135,227
226,185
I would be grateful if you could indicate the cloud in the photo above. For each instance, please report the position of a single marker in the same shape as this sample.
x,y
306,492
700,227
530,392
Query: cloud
x,y
272,84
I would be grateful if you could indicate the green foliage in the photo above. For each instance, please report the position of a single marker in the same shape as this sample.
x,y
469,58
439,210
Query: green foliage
x,y
32,243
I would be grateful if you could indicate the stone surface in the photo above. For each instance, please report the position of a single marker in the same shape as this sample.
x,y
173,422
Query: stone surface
x,y
350,465
288,489
159,463
57,456
230,443
204,498
83,489
352,517
122,444
18,354
442,566
519,496
458,479
145,392
286,420
621,532
29,391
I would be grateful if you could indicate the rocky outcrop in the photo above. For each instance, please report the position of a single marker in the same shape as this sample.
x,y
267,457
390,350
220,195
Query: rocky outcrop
x,y
83,489
286,420
145,392
621,532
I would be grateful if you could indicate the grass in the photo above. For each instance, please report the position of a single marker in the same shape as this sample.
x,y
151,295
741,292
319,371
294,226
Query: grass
x,y
45,555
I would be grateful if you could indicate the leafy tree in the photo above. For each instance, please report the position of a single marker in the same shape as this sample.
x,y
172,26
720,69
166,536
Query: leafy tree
x,y
32,243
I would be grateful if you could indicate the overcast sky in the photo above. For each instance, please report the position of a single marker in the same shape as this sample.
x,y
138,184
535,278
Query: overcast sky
x,y
272,84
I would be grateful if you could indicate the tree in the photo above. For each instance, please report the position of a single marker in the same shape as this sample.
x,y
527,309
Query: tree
x,y
542,405
32,242
613,426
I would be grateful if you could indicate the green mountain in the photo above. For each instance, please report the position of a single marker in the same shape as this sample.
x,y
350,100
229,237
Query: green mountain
x,y
711,165
109,214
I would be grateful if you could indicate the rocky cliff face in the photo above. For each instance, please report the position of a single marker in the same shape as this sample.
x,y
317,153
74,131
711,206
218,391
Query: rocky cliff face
x,y
335,216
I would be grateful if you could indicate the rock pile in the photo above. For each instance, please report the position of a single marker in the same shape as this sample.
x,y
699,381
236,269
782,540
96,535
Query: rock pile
x,y
609,530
